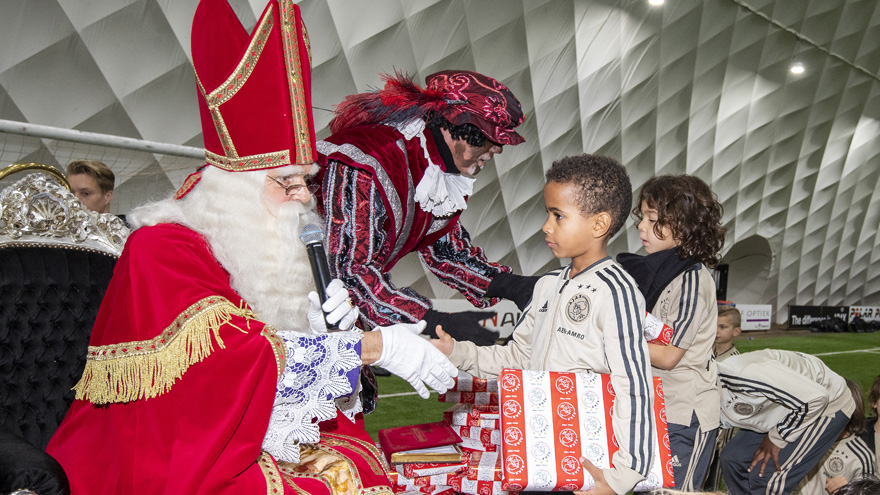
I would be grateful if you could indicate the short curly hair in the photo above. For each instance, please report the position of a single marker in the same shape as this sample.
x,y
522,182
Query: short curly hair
x,y
686,205
602,182
469,133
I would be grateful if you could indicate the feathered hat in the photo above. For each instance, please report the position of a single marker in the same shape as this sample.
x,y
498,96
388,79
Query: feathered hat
x,y
462,97
254,89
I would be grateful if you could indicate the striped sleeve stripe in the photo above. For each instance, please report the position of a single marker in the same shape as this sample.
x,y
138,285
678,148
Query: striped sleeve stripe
x,y
687,305
863,453
779,479
792,421
628,316
339,192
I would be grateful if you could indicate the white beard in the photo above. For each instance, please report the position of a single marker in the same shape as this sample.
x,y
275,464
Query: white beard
x,y
256,242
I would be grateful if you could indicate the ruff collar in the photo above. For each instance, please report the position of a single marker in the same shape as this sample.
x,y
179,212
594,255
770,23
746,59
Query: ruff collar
x,y
439,193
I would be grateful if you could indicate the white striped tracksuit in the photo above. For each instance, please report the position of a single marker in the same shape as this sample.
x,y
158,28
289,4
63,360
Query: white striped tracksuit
x,y
793,399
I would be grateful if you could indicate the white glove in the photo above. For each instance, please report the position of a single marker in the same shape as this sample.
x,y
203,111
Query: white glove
x,y
415,359
338,307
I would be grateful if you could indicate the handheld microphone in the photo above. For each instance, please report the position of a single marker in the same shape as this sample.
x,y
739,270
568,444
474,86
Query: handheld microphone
x,y
313,237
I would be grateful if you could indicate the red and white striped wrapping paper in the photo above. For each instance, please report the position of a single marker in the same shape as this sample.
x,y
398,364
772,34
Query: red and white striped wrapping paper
x,y
481,398
475,487
416,469
655,331
465,382
486,436
482,466
422,490
549,420
485,466
475,445
434,480
473,415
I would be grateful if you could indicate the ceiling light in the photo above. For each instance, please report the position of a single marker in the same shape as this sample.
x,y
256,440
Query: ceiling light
x,y
655,2
797,68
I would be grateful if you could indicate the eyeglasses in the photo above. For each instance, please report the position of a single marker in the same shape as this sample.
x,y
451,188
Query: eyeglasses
x,y
292,189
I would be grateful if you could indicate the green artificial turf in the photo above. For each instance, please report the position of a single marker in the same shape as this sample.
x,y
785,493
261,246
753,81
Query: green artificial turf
x,y
860,367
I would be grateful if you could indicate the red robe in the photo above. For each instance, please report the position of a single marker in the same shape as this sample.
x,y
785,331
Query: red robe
x,y
179,385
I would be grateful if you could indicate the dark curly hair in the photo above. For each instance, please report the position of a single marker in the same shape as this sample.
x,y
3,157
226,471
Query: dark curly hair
x,y
470,133
691,210
602,182
863,485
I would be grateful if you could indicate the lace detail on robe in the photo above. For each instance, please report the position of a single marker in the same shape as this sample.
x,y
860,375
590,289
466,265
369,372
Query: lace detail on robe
x,y
314,376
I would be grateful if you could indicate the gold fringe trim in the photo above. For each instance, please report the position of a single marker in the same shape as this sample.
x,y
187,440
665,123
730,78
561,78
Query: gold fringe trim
x,y
145,369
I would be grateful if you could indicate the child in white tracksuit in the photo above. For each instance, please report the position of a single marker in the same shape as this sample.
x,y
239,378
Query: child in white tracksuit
x,y
680,227
849,457
587,316
790,408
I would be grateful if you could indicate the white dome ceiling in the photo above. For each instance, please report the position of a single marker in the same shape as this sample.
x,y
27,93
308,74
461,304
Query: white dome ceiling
x,y
694,86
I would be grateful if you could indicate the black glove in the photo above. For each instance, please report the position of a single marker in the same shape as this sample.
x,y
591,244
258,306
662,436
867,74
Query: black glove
x,y
517,288
461,326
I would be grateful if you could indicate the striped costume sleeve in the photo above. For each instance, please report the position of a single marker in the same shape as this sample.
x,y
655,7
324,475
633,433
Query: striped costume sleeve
x,y
461,265
357,246
627,355
804,398
682,315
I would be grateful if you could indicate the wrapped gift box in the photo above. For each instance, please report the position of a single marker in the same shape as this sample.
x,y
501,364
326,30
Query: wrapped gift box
x,y
476,487
473,415
474,445
481,398
416,469
485,466
468,383
550,420
486,436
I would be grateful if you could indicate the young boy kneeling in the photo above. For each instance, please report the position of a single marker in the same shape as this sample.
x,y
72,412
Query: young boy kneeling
x,y
586,316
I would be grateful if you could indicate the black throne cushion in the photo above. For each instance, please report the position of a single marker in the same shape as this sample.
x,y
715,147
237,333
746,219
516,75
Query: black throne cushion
x,y
49,297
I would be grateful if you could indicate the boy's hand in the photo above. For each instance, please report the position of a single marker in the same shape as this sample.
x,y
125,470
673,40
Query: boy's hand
x,y
834,484
600,486
766,451
444,343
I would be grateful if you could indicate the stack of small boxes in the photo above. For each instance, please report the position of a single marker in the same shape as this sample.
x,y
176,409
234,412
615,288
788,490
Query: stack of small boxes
x,y
476,419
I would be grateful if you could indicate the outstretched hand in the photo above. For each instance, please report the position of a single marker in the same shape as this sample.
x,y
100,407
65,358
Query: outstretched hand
x,y
444,342
766,451
462,326
411,357
600,486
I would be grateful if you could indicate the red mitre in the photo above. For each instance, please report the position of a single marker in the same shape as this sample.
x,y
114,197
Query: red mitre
x,y
254,89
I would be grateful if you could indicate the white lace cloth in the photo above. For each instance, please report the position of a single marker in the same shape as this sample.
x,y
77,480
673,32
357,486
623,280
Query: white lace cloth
x,y
438,192
314,376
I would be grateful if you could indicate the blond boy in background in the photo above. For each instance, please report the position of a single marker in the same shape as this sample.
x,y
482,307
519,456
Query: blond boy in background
x,y
729,328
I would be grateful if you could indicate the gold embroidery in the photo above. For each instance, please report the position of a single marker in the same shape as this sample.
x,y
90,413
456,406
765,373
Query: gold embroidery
x,y
245,66
377,490
274,483
145,369
252,162
234,83
288,473
299,111
336,439
223,133
278,348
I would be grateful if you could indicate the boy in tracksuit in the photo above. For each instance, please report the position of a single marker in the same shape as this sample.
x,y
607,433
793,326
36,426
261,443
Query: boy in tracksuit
x,y
790,408
849,458
587,316
681,230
